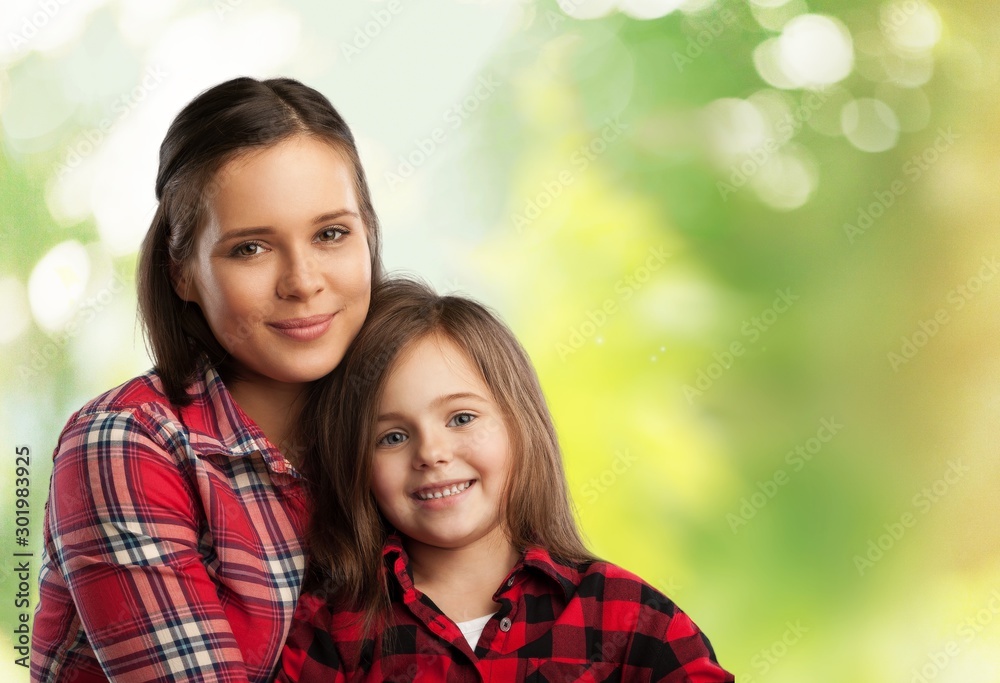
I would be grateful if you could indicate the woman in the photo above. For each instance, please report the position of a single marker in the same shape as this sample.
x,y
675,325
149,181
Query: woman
x,y
173,532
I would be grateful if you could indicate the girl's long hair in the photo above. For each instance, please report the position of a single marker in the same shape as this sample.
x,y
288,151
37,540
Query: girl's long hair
x,y
347,531
225,121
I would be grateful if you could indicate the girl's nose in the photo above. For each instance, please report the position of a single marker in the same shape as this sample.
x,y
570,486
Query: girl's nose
x,y
301,278
431,451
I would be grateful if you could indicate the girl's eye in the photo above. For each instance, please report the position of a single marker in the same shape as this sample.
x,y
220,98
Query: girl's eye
x,y
392,439
333,233
247,249
461,420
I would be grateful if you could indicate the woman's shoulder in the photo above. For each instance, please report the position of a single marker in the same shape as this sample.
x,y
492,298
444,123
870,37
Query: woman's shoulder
x,y
142,404
146,392
135,410
136,393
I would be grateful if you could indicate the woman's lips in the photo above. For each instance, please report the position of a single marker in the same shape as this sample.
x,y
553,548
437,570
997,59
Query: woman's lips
x,y
303,329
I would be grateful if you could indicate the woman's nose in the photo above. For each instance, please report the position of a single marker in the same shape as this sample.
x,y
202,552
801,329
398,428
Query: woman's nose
x,y
301,277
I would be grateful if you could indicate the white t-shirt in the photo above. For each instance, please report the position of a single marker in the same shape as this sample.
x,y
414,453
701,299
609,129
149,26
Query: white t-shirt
x,y
473,628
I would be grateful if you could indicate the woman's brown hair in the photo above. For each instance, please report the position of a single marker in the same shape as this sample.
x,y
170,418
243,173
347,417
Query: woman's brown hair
x,y
347,531
230,119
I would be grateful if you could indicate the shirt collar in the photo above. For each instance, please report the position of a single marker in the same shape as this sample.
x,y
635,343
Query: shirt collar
x,y
214,413
566,576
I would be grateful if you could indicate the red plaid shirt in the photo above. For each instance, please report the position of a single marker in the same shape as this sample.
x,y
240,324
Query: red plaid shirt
x,y
556,622
172,543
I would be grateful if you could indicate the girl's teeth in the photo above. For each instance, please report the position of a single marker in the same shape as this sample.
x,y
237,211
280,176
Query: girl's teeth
x,y
454,490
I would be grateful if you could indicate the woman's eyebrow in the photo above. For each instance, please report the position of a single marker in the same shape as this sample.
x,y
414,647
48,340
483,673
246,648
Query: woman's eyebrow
x,y
333,215
240,233
258,230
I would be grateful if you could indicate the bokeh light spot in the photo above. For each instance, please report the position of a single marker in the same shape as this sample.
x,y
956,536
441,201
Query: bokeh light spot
x,y
735,126
57,284
587,9
649,9
765,60
774,16
815,50
870,125
910,24
15,316
787,180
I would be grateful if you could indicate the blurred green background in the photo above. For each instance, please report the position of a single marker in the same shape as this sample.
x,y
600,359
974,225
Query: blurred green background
x,y
750,246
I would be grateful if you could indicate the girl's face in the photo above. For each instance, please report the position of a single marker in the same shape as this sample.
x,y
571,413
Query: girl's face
x,y
281,269
442,451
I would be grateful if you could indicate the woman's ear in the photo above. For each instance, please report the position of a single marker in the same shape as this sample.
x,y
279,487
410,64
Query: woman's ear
x,y
183,282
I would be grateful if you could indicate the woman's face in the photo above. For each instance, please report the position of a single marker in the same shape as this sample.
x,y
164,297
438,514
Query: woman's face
x,y
281,269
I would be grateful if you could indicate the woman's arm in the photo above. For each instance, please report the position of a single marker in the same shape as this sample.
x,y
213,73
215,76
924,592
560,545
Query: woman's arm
x,y
125,530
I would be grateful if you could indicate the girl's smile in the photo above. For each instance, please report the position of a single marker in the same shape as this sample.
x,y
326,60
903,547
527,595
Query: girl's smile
x,y
442,497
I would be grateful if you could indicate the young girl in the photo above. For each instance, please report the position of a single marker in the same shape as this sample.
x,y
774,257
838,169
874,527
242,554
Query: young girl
x,y
173,532
443,543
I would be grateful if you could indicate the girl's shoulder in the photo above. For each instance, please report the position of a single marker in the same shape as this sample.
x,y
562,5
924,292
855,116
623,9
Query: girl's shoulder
x,y
602,587
598,583
617,583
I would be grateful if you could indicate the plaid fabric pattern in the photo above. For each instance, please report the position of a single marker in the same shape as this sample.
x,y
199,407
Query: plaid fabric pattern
x,y
173,546
556,623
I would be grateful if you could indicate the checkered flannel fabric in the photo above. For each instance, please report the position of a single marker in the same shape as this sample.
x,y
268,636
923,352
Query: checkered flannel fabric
x,y
173,544
556,622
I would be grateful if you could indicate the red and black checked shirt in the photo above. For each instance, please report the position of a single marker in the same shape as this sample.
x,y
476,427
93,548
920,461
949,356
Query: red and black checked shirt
x,y
557,622
172,543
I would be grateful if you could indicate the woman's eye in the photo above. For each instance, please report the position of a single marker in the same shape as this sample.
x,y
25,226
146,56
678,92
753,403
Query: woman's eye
x,y
248,249
461,419
333,234
392,439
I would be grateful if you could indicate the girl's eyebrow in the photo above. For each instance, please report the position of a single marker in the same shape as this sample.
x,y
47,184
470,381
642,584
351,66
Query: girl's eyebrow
x,y
383,417
267,229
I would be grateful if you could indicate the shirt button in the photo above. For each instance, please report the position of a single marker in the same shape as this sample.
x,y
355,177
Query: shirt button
x,y
505,624
510,582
